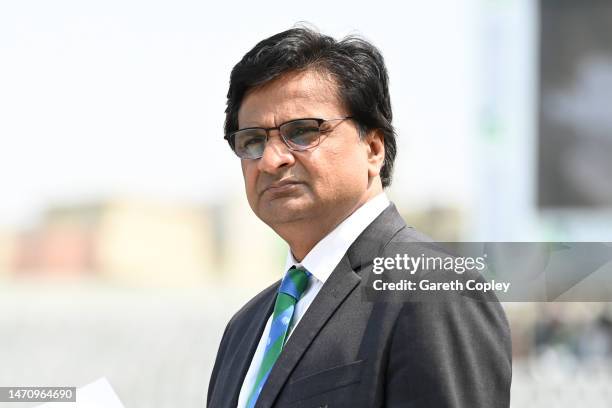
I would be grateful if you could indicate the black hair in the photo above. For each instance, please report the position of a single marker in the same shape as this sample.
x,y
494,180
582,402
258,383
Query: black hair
x,y
355,65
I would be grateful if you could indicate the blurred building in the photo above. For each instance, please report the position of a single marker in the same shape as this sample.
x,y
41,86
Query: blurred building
x,y
141,242
127,242
253,254
7,252
146,243
62,245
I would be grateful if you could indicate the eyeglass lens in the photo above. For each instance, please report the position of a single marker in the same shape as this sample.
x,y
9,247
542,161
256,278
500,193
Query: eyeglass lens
x,y
298,134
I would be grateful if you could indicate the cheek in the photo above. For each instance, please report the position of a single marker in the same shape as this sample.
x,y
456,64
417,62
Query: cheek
x,y
338,171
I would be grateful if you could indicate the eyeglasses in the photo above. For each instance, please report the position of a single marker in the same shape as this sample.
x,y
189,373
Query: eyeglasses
x,y
297,134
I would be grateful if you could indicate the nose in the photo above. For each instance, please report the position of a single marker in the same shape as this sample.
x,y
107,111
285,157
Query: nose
x,y
276,154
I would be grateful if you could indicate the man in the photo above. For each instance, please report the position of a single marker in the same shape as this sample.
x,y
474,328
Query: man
x,y
310,119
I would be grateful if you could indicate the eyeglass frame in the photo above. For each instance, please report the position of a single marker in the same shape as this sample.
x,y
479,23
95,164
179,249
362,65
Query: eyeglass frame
x,y
267,130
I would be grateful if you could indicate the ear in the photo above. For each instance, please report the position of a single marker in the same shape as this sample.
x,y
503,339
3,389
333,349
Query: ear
x,y
375,147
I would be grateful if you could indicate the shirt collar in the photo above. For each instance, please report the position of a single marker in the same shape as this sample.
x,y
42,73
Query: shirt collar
x,y
327,253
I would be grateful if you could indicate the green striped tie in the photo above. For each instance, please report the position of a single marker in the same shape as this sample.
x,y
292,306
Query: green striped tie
x,y
293,285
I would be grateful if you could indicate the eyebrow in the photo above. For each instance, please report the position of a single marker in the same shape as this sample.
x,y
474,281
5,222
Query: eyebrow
x,y
277,126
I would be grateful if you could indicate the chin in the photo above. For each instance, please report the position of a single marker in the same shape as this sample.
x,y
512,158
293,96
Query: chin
x,y
284,211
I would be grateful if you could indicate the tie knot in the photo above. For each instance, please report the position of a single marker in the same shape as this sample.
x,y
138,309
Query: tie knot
x,y
294,283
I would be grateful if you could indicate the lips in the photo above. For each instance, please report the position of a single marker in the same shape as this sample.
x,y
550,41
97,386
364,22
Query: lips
x,y
281,186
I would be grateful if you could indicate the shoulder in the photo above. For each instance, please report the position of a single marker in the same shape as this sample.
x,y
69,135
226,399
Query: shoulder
x,y
470,318
411,234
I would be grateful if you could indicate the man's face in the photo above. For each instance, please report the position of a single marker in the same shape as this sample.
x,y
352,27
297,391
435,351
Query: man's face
x,y
324,184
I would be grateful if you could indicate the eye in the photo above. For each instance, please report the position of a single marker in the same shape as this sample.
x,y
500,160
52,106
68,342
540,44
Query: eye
x,y
302,133
249,143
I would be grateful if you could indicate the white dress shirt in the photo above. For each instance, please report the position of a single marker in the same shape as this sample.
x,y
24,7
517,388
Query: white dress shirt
x,y
320,261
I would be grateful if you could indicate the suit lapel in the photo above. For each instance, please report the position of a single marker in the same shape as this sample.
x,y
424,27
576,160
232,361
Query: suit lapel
x,y
246,348
340,283
375,237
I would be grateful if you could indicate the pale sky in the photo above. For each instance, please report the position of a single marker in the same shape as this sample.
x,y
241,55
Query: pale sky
x,y
99,99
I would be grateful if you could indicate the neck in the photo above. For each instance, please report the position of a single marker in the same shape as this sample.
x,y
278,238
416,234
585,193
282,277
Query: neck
x,y
303,235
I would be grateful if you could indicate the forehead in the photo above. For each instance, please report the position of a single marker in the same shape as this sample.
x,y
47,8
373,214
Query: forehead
x,y
291,96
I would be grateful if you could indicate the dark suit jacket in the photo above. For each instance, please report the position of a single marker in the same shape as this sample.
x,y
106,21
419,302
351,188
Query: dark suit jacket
x,y
349,352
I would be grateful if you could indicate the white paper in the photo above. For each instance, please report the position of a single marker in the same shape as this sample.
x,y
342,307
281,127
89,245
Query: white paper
x,y
98,394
